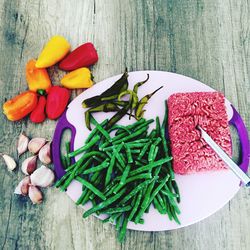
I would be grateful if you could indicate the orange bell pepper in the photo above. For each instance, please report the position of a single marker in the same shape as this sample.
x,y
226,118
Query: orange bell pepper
x,y
37,78
20,106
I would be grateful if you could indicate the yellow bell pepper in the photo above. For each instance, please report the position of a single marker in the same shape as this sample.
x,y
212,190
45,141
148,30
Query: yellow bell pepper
x,y
54,51
37,78
79,78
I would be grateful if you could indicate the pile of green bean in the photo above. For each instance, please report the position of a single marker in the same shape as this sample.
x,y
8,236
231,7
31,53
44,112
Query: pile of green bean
x,y
123,171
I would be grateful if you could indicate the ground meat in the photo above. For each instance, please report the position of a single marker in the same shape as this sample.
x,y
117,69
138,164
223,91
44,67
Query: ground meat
x,y
190,152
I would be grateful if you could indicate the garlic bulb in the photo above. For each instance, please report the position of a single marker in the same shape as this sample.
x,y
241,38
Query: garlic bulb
x,y
36,144
44,154
42,177
10,162
22,144
29,165
35,195
23,186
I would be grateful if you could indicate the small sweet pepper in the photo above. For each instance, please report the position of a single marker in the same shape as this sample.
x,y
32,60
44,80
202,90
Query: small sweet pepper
x,y
37,78
54,51
20,106
38,114
57,101
83,56
79,78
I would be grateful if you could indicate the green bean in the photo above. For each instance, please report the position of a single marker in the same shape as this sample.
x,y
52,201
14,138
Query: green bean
x,y
64,162
136,205
67,146
174,215
139,176
80,199
97,168
62,179
111,219
135,145
118,222
129,137
135,151
155,153
176,190
119,127
109,171
123,179
71,167
95,131
117,210
158,126
150,166
118,156
85,165
158,206
136,190
123,230
104,203
144,149
128,152
68,181
162,204
91,187
164,123
151,152
85,147
169,212
147,201
168,193
145,124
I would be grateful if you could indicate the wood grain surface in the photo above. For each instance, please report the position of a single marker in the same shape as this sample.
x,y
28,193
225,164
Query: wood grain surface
x,y
208,40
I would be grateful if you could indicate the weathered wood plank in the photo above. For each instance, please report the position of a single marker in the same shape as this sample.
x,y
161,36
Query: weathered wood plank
x,y
206,40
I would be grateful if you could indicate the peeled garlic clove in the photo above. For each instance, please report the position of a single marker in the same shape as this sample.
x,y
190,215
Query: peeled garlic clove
x,y
35,195
36,144
10,162
23,186
42,177
22,144
44,154
29,165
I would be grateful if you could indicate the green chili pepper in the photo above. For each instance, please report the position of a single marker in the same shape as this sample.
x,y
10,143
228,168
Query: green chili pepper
x,y
137,85
139,109
119,86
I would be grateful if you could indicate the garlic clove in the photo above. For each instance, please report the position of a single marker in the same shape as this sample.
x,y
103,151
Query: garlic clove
x,y
23,186
35,195
22,144
36,144
29,165
45,154
42,177
10,162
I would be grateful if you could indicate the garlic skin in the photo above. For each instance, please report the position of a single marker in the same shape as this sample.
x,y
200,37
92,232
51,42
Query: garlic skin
x,y
23,186
36,144
35,195
42,177
45,154
10,162
22,144
29,165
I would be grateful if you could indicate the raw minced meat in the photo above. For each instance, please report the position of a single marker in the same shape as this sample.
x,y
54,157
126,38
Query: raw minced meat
x,y
190,152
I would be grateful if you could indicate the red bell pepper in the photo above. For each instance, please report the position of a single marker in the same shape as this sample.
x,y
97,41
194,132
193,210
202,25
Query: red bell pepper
x,y
38,114
83,56
57,101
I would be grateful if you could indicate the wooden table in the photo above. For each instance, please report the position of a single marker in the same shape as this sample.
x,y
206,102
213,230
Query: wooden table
x,y
204,39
